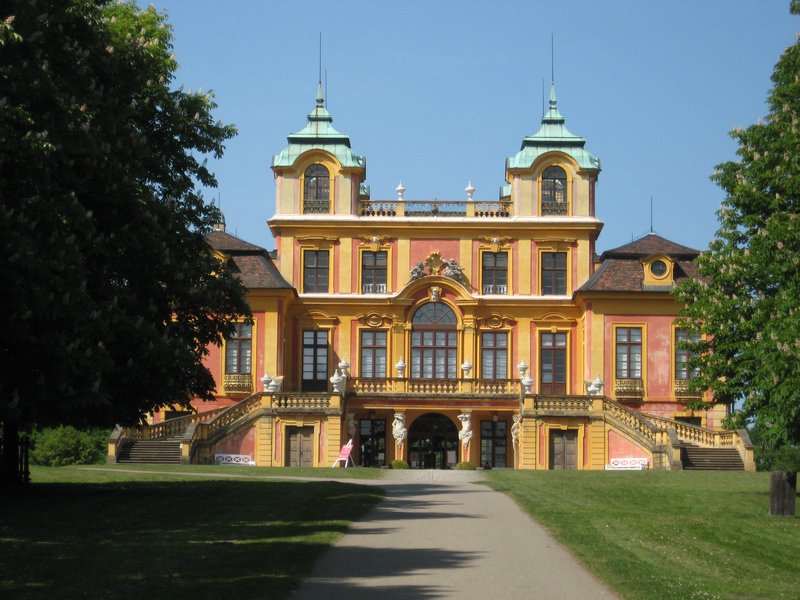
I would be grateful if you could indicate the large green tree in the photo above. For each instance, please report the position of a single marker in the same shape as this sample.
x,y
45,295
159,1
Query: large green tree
x,y
748,303
110,294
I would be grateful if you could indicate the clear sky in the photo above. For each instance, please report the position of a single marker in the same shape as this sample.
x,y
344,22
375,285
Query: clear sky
x,y
439,93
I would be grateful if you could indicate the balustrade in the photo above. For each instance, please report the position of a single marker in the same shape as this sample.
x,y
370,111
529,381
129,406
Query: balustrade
x,y
553,208
433,208
238,383
423,386
628,388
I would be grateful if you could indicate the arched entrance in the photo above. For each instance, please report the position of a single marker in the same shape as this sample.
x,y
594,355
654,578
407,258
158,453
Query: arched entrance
x,y
432,442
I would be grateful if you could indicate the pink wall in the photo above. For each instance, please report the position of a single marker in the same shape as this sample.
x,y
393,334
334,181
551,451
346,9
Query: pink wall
x,y
420,249
657,353
243,442
620,447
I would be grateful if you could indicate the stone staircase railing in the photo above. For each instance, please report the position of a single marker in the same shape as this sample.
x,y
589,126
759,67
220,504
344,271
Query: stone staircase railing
x,y
201,429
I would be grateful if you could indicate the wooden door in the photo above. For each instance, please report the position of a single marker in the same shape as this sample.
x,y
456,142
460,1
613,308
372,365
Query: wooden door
x,y
299,446
564,450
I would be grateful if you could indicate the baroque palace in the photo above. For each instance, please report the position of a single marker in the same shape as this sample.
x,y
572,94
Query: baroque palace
x,y
439,332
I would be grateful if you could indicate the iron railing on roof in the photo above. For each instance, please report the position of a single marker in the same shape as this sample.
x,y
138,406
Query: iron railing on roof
x,y
435,208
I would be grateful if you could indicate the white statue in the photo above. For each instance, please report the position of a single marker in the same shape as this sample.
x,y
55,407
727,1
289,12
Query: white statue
x,y
351,425
399,428
595,388
337,380
465,435
515,430
453,270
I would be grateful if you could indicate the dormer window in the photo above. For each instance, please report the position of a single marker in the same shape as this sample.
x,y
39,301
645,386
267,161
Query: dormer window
x,y
554,191
658,271
316,190
658,268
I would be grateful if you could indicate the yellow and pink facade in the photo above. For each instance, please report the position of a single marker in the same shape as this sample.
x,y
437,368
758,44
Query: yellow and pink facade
x,y
439,332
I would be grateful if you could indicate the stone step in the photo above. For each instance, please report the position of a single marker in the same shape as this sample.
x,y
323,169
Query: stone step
x,y
151,451
711,459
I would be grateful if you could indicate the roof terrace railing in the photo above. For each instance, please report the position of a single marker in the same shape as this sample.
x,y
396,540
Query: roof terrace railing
x,y
435,208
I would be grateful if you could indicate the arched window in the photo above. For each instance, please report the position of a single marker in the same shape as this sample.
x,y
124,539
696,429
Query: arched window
x,y
554,191
434,342
317,190
434,313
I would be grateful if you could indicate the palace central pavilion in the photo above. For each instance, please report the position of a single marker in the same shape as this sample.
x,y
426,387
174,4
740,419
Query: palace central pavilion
x,y
439,332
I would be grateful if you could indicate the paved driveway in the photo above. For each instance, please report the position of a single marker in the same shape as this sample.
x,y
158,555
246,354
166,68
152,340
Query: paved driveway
x,y
437,535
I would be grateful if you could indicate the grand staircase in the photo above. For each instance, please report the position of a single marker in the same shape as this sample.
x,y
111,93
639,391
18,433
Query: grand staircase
x,y
162,451
695,458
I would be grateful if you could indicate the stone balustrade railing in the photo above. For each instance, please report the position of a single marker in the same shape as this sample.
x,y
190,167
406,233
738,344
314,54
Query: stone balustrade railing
x,y
485,209
425,386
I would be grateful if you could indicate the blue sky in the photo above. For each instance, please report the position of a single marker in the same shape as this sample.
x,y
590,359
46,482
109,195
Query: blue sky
x,y
439,93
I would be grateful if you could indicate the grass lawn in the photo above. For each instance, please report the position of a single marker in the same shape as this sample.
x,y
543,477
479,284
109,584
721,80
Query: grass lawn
x,y
661,534
85,533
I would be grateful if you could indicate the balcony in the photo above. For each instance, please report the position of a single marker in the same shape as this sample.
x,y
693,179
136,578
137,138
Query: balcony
x,y
435,208
428,387
628,388
373,288
495,289
682,390
550,208
238,383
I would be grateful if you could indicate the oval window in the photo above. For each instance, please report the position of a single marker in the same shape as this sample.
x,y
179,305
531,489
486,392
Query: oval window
x,y
658,268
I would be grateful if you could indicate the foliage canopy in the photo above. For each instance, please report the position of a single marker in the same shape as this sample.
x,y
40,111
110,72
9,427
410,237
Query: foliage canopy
x,y
111,294
748,303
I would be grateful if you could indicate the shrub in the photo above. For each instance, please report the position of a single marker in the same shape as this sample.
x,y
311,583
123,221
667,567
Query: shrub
x,y
785,458
399,464
66,445
465,466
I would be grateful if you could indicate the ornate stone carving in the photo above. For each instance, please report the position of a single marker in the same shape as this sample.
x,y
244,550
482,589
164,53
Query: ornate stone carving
x,y
515,430
495,241
436,265
374,319
495,321
418,272
465,435
374,240
399,430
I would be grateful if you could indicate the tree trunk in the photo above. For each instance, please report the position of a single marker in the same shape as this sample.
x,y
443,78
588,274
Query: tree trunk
x,y
782,493
10,472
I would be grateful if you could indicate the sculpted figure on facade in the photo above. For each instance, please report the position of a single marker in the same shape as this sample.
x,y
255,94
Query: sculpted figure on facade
x,y
399,430
465,435
515,430
418,272
454,271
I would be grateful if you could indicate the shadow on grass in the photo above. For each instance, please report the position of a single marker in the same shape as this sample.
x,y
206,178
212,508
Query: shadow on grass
x,y
198,539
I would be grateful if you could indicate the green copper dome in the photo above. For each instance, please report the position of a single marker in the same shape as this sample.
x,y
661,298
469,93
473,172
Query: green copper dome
x,y
319,134
553,136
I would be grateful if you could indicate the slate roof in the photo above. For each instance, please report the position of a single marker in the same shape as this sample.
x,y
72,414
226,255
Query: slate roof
x,y
252,263
621,270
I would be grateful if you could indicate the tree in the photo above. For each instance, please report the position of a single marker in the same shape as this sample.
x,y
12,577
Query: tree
x,y
748,302
111,294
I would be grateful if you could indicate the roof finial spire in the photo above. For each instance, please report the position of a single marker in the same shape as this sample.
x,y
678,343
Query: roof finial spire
x,y
320,96
552,62
651,215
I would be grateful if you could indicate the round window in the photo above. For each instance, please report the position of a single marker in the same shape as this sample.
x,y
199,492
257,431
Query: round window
x,y
658,268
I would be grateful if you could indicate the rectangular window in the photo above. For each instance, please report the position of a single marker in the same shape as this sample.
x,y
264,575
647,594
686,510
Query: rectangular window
x,y
493,443
373,272
553,365
373,354
239,349
629,352
494,355
554,273
315,271
434,355
494,272
682,355
315,360
372,442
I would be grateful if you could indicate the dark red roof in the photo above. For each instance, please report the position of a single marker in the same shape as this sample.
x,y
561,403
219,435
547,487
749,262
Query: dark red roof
x,y
648,245
253,263
621,269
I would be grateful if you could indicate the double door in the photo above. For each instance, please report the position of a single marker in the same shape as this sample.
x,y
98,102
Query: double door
x,y
299,447
564,449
